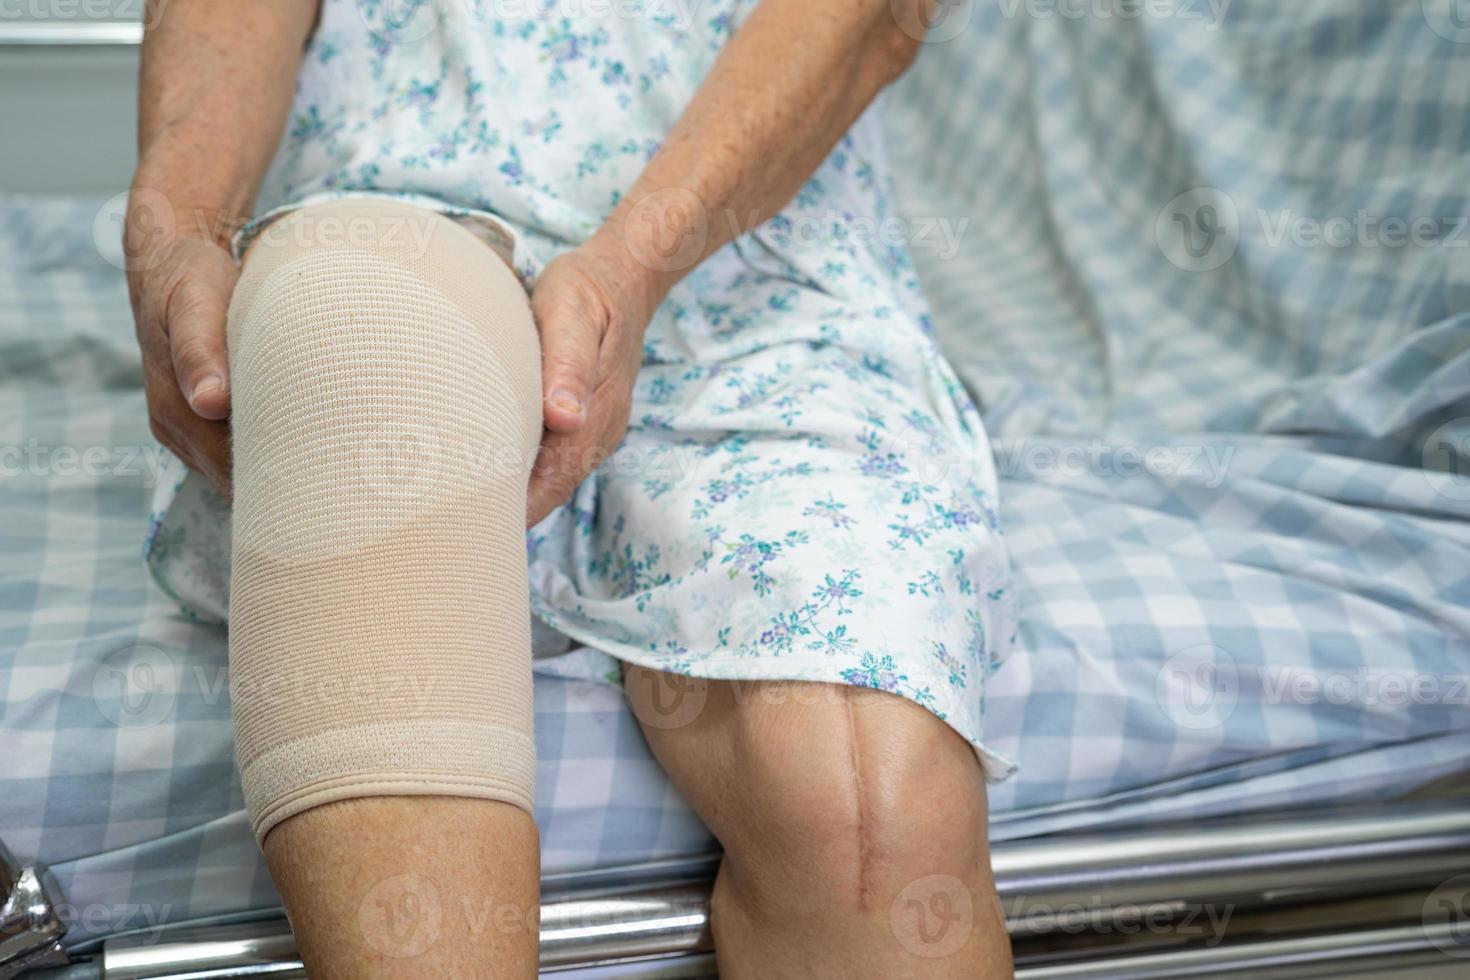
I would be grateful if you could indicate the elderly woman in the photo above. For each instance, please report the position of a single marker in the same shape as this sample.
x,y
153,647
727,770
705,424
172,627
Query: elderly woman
x,y
607,271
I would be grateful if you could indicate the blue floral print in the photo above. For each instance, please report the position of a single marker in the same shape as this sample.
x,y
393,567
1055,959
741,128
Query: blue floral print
x,y
805,490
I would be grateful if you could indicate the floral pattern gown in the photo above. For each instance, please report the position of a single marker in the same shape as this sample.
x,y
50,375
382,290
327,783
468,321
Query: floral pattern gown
x,y
805,491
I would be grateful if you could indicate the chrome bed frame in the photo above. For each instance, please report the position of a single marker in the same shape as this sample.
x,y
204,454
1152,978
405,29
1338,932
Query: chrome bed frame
x,y
1309,893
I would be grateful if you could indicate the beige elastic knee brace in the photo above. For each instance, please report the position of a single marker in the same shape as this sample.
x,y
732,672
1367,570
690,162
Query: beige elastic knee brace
x,y
386,392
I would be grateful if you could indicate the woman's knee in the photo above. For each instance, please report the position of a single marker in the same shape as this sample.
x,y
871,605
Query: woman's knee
x,y
384,339
859,791
384,365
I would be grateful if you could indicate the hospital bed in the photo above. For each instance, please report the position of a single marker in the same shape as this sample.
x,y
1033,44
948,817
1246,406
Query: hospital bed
x,y
1237,691
1156,902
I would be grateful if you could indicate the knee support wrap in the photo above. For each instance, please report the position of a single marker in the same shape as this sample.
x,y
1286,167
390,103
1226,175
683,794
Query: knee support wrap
x,y
385,375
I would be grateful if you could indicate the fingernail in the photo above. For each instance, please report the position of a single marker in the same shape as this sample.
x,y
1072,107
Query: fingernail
x,y
565,400
209,383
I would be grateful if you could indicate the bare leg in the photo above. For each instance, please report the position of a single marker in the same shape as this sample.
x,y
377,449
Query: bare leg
x,y
854,828
419,886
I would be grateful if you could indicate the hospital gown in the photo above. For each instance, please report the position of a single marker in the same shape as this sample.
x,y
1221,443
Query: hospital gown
x,y
805,491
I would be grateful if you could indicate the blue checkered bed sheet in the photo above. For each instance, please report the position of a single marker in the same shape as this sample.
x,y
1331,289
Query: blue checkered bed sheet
x,y
1241,587
115,752
1206,267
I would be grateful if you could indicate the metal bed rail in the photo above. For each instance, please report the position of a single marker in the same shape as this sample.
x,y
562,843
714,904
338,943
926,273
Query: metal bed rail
x,y
1243,862
1320,954
70,33
1064,887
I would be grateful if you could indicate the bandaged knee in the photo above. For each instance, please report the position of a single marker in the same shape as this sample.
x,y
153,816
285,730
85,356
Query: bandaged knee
x,y
386,408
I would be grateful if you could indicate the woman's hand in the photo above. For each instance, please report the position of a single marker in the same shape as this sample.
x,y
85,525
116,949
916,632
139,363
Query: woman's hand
x,y
180,284
210,115
745,143
591,306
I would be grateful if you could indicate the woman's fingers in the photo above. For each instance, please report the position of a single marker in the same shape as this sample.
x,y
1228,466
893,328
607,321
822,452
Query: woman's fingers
x,y
552,480
181,296
200,363
207,449
571,336
564,460
203,444
590,353
195,323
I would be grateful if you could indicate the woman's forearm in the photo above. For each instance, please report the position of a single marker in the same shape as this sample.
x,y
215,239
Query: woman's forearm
x,y
788,85
215,88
